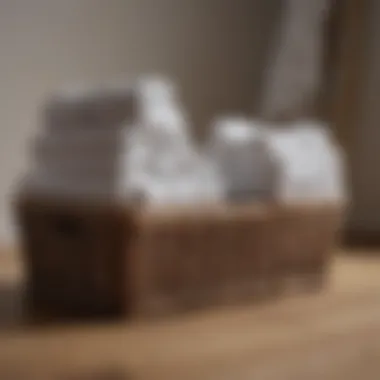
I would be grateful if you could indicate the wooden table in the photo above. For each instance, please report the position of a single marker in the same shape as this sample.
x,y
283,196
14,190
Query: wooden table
x,y
332,335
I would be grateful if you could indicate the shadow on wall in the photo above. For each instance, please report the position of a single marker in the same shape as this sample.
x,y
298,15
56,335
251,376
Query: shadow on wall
x,y
11,305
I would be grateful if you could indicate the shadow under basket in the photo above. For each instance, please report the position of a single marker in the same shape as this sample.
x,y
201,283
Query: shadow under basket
x,y
87,259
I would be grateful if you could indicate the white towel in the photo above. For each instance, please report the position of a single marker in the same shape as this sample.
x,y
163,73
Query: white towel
x,y
311,163
102,106
237,146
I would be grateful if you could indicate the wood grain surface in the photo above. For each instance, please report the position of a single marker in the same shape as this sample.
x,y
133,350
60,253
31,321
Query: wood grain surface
x,y
331,335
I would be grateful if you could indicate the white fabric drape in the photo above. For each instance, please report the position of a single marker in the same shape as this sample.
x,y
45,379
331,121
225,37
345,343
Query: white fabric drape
x,y
293,75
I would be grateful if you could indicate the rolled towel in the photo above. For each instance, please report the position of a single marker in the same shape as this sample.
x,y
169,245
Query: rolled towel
x,y
311,164
238,147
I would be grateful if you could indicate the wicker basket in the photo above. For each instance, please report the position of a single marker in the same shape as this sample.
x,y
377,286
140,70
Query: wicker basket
x,y
306,235
95,259
75,256
186,259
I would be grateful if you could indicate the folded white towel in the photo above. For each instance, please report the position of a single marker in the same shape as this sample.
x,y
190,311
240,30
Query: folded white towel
x,y
90,107
77,144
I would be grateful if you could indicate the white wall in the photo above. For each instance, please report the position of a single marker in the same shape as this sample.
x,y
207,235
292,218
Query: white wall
x,y
212,46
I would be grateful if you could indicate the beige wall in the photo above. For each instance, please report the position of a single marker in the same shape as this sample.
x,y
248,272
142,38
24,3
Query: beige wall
x,y
213,47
